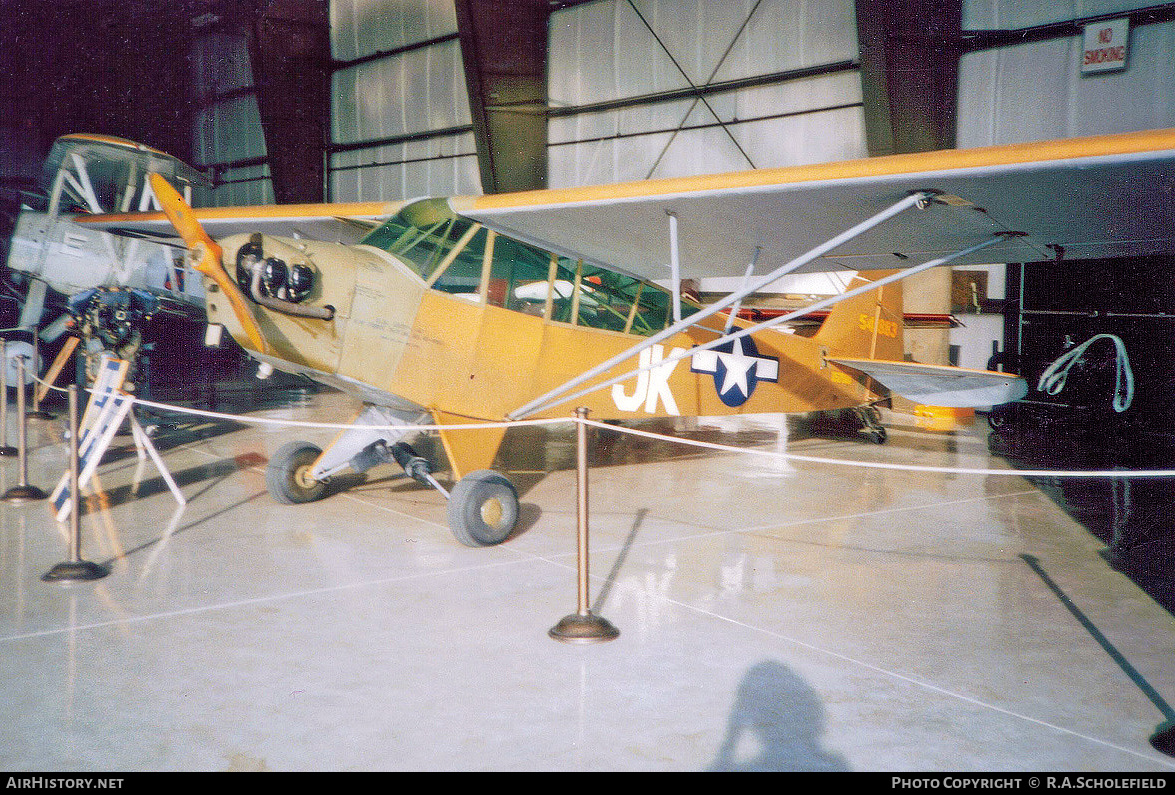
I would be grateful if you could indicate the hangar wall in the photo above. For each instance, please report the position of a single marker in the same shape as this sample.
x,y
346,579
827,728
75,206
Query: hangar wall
x,y
399,115
227,134
1035,90
779,79
780,84
400,119
401,124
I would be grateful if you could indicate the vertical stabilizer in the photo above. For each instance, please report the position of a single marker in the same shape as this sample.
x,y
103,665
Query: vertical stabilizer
x,y
868,326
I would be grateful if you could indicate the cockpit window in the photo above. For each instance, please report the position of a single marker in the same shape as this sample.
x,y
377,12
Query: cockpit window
x,y
457,256
421,235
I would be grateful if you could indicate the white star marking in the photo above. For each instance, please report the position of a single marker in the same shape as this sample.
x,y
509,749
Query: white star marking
x,y
740,369
737,365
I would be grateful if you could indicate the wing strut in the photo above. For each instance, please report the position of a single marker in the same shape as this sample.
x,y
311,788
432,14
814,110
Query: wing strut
x,y
674,267
738,305
744,332
919,199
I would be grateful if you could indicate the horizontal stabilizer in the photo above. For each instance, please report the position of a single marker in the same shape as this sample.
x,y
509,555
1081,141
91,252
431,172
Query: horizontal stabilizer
x,y
936,385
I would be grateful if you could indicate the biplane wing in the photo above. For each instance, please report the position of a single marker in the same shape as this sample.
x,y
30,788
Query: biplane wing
x,y
345,222
1099,197
94,173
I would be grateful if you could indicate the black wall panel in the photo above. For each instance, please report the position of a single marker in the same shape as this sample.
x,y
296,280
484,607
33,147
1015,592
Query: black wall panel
x,y
1057,306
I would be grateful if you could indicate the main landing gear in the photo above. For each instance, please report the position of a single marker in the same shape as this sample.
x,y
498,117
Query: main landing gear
x,y
482,506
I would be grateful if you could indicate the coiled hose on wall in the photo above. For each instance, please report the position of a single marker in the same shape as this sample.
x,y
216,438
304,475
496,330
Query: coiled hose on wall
x,y
1052,380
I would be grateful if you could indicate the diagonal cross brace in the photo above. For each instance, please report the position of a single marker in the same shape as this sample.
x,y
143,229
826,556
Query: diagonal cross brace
x,y
749,330
546,400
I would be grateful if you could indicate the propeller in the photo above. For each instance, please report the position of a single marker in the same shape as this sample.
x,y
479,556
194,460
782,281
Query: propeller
x,y
206,256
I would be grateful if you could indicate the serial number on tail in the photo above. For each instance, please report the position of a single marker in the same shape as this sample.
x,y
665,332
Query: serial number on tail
x,y
886,328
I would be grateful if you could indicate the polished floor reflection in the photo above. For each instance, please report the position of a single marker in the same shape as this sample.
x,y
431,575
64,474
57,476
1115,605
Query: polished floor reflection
x,y
775,615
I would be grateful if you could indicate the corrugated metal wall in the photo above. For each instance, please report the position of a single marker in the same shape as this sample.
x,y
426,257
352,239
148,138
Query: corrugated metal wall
x,y
228,136
622,81
1035,91
615,65
401,125
400,121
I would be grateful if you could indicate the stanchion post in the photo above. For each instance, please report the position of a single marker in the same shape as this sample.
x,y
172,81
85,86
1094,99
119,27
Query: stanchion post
x,y
37,413
22,491
5,448
582,626
75,569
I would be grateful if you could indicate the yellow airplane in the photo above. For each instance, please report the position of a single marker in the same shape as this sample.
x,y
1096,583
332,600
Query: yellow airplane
x,y
475,310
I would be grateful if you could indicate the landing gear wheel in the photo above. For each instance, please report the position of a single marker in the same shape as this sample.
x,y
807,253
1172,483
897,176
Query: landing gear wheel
x,y
483,508
288,474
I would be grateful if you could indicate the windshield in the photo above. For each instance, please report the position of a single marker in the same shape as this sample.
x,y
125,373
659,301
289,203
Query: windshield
x,y
460,257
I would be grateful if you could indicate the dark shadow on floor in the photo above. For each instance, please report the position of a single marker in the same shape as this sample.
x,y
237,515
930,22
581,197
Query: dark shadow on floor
x,y
776,725
1132,516
152,483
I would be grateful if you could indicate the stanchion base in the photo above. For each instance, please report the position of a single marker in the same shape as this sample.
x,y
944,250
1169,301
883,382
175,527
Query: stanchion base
x,y
24,493
8,450
78,571
40,415
1164,739
578,628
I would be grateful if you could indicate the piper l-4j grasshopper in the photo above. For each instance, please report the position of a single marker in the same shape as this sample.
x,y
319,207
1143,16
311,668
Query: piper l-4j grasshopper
x,y
463,311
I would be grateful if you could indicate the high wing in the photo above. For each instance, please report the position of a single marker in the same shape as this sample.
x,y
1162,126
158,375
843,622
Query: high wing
x,y
1107,196
341,223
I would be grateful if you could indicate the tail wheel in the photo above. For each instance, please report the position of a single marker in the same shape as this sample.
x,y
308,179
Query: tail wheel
x,y
1001,416
288,474
483,509
870,418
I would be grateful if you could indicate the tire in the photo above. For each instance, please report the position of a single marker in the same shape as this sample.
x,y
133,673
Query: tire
x,y
483,509
1000,417
287,475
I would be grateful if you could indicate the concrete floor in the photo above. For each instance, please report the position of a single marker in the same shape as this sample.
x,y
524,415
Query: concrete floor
x,y
772,616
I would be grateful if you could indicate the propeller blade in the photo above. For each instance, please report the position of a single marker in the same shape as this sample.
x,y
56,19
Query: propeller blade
x,y
206,256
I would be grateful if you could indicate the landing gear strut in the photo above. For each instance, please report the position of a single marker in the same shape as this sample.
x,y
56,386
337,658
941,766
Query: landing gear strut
x,y
482,509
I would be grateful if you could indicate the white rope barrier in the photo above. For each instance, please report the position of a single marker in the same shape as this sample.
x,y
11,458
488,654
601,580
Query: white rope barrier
x,y
324,425
1028,473
345,425
779,456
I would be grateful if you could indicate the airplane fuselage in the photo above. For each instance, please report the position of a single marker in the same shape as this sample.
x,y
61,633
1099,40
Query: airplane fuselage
x,y
395,341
